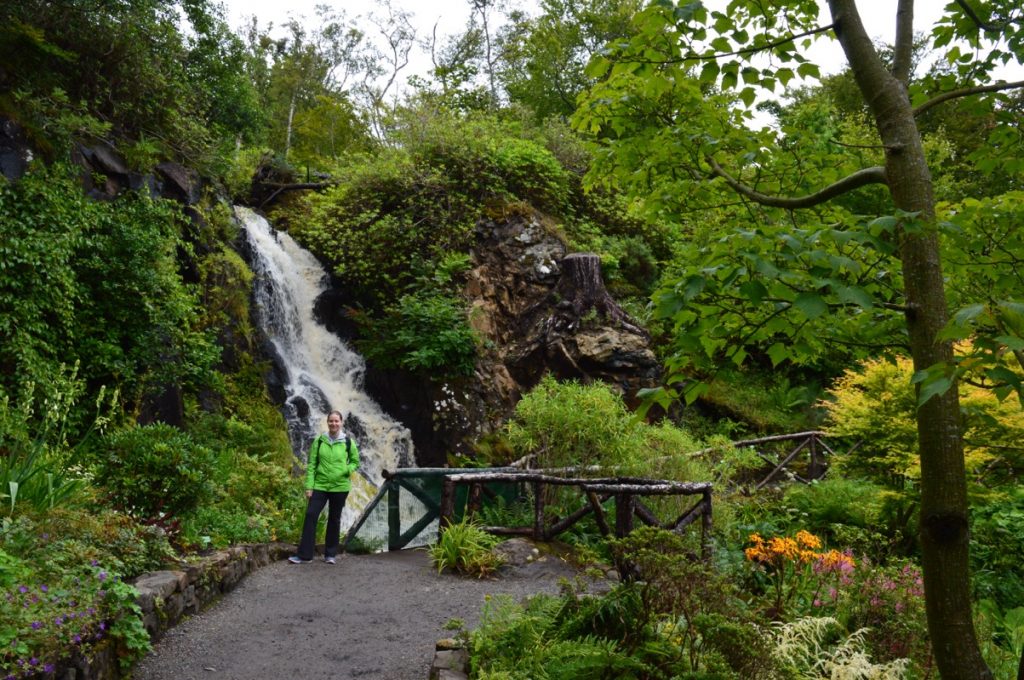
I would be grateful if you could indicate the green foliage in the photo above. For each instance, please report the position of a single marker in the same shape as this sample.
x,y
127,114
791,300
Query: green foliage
x,y
395,214
424,332
573,425
543,57
835,500
156,473
76,598
97,282
255,497
465,548
1002,636
173,84
997,535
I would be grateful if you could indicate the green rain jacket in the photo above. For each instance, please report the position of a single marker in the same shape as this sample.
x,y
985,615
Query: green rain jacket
x,y
330,466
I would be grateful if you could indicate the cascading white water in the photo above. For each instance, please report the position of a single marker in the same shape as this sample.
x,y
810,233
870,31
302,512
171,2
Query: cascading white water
x,y
323,373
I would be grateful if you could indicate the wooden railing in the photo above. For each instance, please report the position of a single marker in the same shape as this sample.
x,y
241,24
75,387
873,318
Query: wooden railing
x,y
810,443
627,493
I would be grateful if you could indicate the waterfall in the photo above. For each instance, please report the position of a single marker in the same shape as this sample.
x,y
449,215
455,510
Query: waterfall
x,y
322,372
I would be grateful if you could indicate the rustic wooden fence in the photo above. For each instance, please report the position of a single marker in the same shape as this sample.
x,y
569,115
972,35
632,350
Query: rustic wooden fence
x,y
811,444
421,502
627,493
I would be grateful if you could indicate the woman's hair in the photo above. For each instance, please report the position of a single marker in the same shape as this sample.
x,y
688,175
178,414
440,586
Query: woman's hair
x,y
339,415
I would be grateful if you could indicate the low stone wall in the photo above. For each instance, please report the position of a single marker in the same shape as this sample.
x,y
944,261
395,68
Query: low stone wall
x,y
166,596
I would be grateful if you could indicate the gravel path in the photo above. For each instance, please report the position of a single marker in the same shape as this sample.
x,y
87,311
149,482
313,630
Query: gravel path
x,y
370,616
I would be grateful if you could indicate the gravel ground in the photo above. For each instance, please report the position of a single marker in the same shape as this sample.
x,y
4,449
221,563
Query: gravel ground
x,y
369,616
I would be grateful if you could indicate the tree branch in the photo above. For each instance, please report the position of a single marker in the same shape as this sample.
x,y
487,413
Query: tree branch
x,y
984,25
966,92
873,175
692,56
904,50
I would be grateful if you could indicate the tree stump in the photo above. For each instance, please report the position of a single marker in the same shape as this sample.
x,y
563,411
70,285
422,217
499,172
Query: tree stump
x,y
581,290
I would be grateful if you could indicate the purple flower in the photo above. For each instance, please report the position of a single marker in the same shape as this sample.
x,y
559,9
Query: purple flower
x,y
94,563
44,588
22,589
36,625
103,625
33,661
92,610
48,668
102,576
76,639
59,620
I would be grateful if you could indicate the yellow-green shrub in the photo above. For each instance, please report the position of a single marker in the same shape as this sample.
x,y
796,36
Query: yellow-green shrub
x,y
875,404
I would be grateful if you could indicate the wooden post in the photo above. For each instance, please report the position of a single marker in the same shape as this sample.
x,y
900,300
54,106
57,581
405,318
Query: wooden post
x,y
814,469
538,511
447,506
602,523
394,517
623,514
705,527
473,500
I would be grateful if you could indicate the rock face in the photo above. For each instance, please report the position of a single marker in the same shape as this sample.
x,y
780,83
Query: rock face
x,y
540,310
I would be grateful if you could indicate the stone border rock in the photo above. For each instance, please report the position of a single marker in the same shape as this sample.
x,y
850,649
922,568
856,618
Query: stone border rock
x,y
166,596
451,661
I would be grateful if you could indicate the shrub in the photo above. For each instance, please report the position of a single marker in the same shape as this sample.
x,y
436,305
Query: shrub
x,y
425,332
155,473
875,404
997,542
818,647
465,548
72,601
836,500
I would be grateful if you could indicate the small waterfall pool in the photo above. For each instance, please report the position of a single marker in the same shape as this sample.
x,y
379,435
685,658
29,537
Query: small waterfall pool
x,y
322,372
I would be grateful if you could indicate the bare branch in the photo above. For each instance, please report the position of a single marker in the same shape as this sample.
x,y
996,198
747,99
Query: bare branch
x,y
966,92
873,175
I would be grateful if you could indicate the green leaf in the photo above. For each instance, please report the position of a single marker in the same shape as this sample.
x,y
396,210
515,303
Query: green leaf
x,y
933,387
855,295
778,353
808,70
747,95
1002,374
694,287
753,290
965,315
811,304
694,391
709,73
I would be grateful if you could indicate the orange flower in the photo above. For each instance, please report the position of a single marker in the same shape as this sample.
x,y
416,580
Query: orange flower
x,y
808,540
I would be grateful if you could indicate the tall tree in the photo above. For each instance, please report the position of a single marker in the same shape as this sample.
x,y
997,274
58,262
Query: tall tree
x,y
663,129
542,58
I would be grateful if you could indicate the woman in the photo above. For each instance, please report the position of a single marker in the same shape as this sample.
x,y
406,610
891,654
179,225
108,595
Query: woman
x,y
332,459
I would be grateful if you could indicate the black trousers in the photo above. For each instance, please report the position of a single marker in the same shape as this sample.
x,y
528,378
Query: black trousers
x,y
314,506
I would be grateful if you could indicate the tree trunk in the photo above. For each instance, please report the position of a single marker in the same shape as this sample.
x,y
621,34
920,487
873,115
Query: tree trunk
x,y
944,509
581,290
288,131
